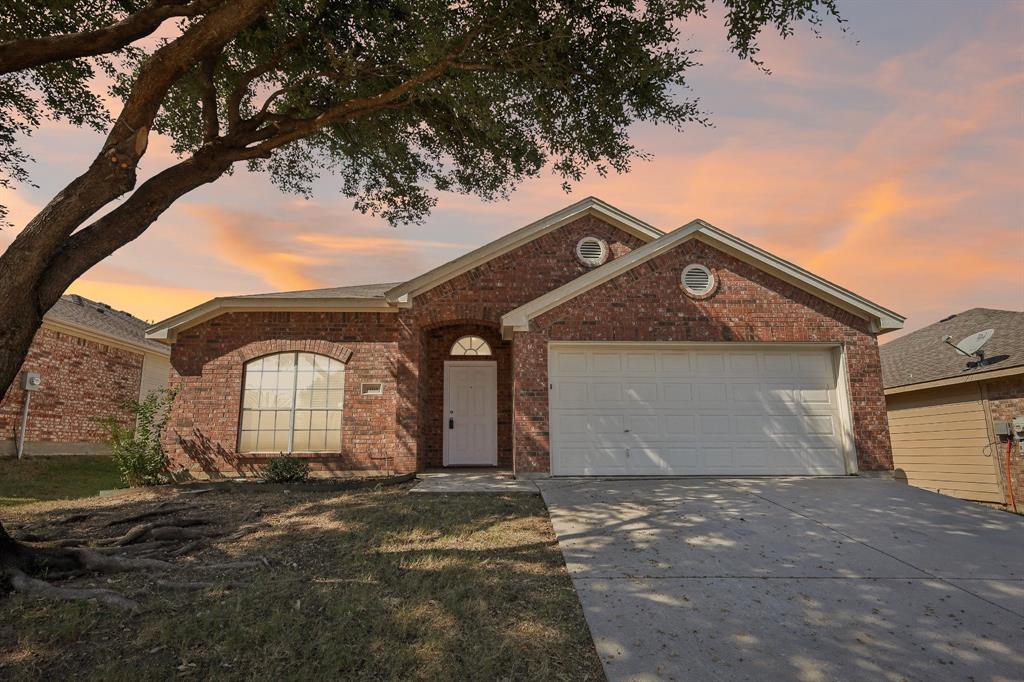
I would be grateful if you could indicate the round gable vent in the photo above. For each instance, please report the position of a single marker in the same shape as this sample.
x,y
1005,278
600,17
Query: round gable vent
x,y
592,251
698,280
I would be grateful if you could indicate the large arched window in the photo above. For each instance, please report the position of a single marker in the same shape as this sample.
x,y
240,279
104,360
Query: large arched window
x,y
292,402
470,345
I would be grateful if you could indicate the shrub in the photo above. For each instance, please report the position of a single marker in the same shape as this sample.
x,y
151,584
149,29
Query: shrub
x,y
285,469
136,448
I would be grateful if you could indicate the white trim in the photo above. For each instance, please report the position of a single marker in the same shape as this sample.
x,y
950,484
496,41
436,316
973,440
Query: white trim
x,y
843,394
97,336
493,364
589,206
881,319
952,381
168,329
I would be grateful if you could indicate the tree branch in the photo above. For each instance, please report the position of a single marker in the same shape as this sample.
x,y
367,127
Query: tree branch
x,y
27,53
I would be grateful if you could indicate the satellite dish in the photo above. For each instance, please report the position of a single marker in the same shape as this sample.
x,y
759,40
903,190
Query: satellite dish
x,y
972,345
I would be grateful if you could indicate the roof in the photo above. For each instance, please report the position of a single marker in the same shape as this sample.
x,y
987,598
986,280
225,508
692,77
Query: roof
x,y
390,297
922,357
513,240
81,314
882,319
368,291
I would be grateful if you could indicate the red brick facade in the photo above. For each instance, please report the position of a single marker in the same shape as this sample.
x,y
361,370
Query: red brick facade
x,y
406,350
82,381
1005,399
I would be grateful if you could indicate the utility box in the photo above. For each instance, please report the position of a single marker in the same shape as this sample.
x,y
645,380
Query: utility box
x,y
1017,426
32,381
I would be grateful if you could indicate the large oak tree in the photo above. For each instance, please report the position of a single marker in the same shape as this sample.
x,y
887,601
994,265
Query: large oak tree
x,y
399,99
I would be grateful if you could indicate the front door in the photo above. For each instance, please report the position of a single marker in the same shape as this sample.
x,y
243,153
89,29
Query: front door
x,y
470,413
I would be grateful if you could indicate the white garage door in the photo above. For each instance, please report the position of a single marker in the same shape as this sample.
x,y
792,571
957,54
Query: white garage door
x,y
619,409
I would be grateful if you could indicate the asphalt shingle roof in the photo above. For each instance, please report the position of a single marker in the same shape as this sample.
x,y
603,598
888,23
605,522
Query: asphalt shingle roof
x,y
922,356
78,310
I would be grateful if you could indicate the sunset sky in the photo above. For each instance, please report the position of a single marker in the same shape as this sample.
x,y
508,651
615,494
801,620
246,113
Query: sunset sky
x,y
888,159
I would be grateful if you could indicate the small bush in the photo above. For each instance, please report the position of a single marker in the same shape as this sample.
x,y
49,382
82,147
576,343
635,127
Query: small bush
x,y
285,469
136,448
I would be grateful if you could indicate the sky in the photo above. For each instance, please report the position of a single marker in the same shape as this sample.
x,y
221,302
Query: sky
x,y
888,159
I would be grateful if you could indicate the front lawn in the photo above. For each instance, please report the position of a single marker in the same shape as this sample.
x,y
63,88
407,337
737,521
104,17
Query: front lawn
x,y
368,585
32,479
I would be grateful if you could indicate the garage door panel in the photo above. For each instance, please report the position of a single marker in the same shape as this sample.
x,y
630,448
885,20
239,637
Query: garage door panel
x,y
649,416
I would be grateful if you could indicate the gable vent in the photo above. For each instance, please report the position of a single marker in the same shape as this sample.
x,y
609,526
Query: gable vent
x,y
592,251
698,280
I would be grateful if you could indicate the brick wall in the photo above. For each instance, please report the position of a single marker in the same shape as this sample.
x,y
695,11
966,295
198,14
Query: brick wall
x,y
1005,401
82,380
207,368
647,303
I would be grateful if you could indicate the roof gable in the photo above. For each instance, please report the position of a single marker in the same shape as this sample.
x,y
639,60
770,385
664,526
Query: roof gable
x,y
589,206
78,315
881,319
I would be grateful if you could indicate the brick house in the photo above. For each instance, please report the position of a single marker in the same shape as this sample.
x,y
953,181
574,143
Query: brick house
x,y
91,359
586,343
944,408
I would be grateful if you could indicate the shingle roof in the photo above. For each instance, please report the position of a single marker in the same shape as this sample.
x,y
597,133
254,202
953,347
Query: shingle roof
x,y
101,318
355,291
922,356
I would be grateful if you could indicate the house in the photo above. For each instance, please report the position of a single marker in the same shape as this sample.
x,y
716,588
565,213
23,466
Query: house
x,y
91,360
943,406
586,343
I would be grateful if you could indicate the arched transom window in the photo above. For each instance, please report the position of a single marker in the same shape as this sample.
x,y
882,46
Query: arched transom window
x,y
292,402
471,345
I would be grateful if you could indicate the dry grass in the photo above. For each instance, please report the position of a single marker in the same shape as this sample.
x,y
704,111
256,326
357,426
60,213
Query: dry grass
x,y
375,584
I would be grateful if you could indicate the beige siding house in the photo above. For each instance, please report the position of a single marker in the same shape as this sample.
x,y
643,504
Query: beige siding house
x,y
942,406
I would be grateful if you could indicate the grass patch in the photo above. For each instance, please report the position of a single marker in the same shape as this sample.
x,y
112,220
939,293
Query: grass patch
x,y
34,479
369,585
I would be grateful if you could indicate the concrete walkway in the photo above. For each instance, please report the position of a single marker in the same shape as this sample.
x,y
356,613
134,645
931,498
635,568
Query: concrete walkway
x,y
472,481
796,579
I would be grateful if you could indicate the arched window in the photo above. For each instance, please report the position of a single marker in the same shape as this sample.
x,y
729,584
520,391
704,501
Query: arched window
x,y
471,345
292,402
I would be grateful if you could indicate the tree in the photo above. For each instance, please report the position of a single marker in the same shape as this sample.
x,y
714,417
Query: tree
x,y
399,98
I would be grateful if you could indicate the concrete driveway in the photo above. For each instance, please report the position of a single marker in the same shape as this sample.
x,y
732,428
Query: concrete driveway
x,y
802,579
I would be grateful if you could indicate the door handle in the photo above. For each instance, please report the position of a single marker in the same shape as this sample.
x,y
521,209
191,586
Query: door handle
x,y
451,422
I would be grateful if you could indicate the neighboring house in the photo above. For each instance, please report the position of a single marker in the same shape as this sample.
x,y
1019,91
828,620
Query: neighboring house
x,y
586,343
91,359
942,405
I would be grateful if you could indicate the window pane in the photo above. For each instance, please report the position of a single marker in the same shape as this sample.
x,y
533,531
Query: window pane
x,y
301,420
335,399
265,441
286,362
305,362
268,398
254,365
248,441
284,397
333,441
334,420
302,399
281,441
336,380
317,441
251,399
305,380
250,420
284,420
321,362
252,379
270,363
318,399
318,420
267,420
300,442
320,380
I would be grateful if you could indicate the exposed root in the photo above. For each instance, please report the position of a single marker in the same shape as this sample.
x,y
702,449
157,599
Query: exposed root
x,y
177,533
94,561
188,547
234,565
199,585
75,518
158,530
22,583
149,514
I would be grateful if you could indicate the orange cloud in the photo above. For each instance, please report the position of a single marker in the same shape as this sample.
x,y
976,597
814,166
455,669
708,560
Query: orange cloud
x,y
148,302
371,245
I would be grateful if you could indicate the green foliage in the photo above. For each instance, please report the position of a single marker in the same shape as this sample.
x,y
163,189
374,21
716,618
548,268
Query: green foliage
x,y
136,447
526,85
285,469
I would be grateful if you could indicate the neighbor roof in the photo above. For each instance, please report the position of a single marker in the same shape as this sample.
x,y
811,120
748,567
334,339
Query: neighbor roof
x,y
882,319
922,357
356,291
81,314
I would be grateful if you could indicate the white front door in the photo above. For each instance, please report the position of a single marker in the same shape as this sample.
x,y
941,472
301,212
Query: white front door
x,y
717,409
470,413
